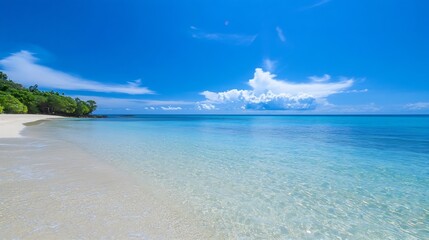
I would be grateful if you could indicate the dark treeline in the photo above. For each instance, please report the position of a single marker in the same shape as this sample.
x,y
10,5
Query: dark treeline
x,y
14,98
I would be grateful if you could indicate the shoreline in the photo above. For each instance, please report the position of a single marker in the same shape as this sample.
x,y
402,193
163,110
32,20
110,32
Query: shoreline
x,y
11,125
50,188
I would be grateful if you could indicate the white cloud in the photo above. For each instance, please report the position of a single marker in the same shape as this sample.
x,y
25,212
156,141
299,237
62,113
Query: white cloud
x,y
23,67
122,101
236,39
206,106
417,106
247,99
323,78
169,108
131,103
356,91
269,64
268,93
265,81
280,34
349,109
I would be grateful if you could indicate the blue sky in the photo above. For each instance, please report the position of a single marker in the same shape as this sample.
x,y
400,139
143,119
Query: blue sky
x,y
309,56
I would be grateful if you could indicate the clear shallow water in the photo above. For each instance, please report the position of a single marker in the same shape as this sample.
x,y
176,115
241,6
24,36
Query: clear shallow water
x,y
276,177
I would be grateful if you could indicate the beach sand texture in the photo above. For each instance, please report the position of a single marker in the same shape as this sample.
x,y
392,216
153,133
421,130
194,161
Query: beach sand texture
x,y
52,190
11,125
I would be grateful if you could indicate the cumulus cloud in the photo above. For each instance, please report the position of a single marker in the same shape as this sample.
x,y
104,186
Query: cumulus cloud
x,y
23,67
269,93
417,106
248,99
230,38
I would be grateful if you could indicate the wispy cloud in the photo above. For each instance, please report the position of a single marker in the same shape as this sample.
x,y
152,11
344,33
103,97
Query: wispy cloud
x,y
206,106
318,79
317,4
280,34
170,108
132,102
236,39
417,106
137,105
349,109
269,65
23,67
356,91
269,93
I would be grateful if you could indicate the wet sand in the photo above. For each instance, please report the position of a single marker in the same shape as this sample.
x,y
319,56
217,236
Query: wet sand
x,y
50,189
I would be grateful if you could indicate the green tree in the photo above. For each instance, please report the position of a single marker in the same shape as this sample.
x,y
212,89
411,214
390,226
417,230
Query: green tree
x,y
40,103
11,104
18,99
61,105
34,88
6,84
27,98
1,109
82,108
3,76
92,105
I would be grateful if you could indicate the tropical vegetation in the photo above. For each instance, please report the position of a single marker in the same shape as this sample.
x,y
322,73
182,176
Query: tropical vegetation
x,y
15,98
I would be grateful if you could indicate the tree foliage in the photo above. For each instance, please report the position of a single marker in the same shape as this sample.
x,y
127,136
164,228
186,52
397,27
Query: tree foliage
x,y
11,104
14,98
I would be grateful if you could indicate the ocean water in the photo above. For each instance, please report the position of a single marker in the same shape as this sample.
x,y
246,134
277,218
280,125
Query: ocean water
x,y
275,177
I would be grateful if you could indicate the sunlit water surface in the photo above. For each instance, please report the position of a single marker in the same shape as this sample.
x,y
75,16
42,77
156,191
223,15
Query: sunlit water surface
x,y
276,177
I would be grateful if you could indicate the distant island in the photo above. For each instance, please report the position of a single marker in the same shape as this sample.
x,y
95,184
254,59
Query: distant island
x,y
15,98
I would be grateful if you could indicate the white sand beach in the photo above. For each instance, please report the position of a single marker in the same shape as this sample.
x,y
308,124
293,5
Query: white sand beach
x,y
11,125
50,189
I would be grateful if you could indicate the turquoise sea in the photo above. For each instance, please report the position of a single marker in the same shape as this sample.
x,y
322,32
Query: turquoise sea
x,y
275,177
